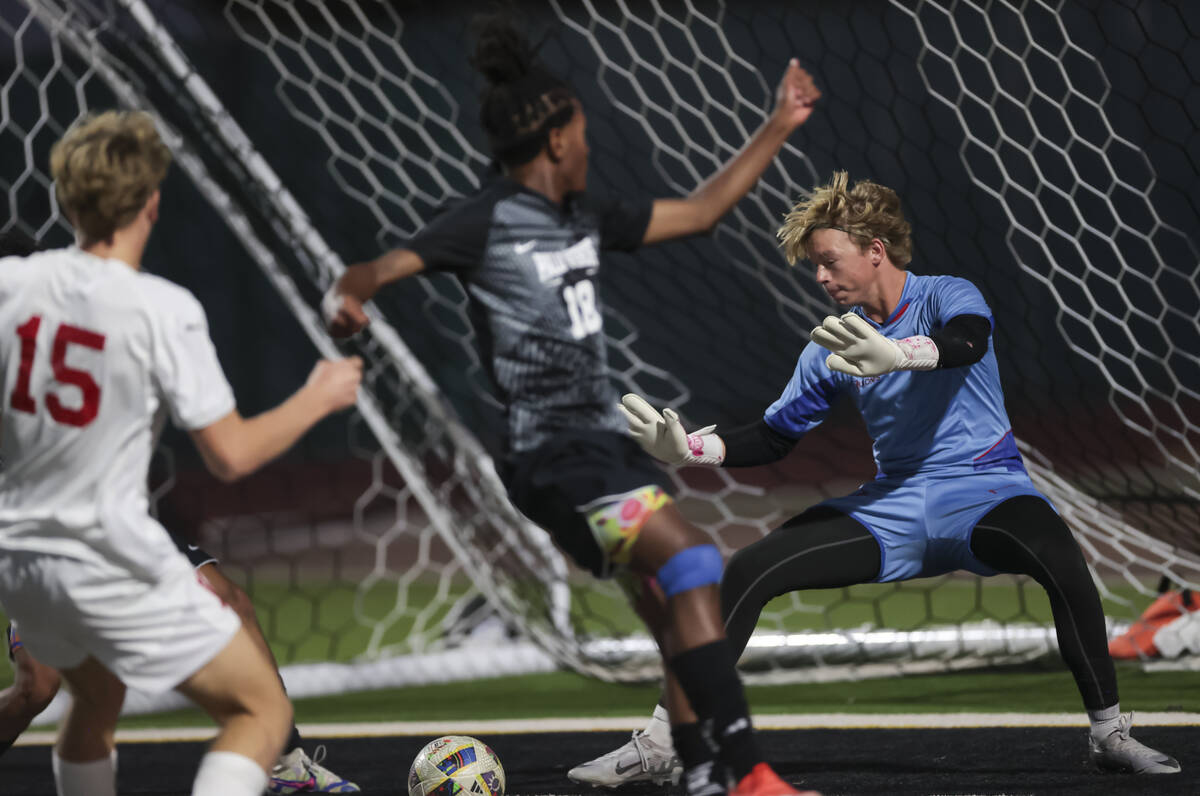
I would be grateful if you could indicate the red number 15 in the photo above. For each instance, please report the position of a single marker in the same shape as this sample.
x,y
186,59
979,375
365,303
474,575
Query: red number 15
x,y
67,335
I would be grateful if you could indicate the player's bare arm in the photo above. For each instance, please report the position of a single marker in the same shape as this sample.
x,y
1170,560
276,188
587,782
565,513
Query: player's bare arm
x,y
235,446
674,218
342,306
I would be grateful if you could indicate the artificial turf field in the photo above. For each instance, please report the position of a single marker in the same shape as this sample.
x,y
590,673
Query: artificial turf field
x,y
1026,760
1032,760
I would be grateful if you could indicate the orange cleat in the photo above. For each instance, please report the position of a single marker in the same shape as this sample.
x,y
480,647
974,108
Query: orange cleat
x,y
763,781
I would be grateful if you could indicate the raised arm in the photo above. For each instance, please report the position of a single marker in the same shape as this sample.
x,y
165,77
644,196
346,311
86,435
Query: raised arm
x,y
700,211
235,446
342,306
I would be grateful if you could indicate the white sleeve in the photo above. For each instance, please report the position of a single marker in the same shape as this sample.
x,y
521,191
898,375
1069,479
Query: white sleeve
x,y
187,369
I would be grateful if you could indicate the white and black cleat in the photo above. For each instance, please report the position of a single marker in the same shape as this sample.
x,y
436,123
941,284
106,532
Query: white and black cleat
x,y
1119,752
640,759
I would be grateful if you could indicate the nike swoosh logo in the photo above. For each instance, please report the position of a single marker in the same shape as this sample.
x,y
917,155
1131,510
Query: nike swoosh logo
x,y
525,248
622,769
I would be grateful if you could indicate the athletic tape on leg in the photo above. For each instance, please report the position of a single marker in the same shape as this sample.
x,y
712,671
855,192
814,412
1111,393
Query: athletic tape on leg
x,y
690,569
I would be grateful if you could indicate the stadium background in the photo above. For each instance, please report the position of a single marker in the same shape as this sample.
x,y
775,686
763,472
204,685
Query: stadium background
x,y
877,120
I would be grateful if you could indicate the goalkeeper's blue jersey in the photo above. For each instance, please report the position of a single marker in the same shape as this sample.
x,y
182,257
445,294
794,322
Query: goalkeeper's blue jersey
x,y
920,421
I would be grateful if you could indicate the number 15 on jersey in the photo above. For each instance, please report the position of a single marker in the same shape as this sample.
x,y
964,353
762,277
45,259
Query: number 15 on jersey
x,y
22,400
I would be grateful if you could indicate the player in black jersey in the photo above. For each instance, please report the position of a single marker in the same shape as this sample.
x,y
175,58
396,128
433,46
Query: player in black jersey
x,y
526,247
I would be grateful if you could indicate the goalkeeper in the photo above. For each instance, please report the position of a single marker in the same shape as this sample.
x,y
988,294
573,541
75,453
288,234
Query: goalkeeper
x,y
951,490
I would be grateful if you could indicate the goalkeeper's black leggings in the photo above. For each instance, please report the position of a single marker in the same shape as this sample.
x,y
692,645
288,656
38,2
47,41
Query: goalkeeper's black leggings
x,y
824,548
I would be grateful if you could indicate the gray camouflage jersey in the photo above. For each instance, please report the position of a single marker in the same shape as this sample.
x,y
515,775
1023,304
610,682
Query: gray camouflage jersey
x,y
530,268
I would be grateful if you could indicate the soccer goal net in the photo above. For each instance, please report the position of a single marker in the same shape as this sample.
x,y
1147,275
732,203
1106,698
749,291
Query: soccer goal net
x,y
1043,151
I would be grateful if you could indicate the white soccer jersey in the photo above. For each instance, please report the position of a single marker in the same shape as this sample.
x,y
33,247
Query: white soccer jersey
x,y
92,353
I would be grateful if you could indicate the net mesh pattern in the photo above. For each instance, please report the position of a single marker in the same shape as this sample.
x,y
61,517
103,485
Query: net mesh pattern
x,y
1046,151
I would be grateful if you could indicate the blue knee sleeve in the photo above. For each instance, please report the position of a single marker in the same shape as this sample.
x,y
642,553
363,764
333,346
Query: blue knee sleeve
x,y
690,568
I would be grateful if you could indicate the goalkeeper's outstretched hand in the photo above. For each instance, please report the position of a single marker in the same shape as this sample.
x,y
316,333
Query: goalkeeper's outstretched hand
x,y
662,435
860,350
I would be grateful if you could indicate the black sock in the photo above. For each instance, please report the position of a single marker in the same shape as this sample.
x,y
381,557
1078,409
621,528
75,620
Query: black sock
x,y
702,771
294,741
692,745
714,690
6,745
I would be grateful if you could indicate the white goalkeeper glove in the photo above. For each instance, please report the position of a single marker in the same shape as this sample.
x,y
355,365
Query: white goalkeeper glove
x,y
858,349
662,436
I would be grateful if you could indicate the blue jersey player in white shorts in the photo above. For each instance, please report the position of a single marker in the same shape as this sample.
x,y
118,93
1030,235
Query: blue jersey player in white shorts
x,y
951,490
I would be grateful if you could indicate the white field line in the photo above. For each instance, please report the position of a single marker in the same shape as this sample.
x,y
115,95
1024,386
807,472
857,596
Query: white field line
x,y
766,721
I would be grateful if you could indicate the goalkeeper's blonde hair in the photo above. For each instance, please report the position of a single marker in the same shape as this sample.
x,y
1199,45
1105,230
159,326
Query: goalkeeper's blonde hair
x,y
105,167
865,212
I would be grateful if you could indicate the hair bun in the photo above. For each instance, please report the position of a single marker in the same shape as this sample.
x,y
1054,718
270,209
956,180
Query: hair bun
x,y
502,53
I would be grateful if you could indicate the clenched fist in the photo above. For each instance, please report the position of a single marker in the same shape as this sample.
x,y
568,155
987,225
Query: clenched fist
x,y
336,381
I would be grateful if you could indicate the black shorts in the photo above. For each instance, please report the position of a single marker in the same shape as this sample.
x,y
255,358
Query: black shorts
x,y
197,556
553,483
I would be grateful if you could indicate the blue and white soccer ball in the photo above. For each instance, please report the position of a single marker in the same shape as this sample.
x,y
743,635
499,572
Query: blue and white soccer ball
x,y
456,764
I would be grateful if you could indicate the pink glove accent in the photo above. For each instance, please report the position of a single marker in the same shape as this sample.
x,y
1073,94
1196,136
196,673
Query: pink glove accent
x,y
919,352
